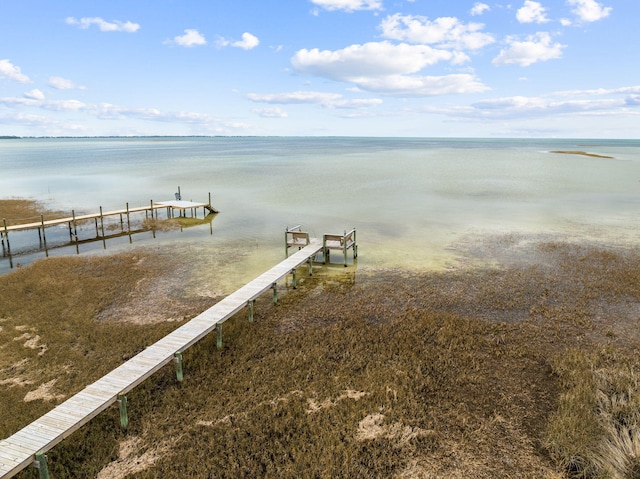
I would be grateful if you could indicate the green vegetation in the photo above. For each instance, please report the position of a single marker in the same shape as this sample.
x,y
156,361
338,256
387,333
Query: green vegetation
x,y
527,369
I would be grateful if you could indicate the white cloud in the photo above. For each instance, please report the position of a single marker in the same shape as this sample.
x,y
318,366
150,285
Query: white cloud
x,y
479,8
106,111
248,42
535,48
596,102
42,122
367,60
520,106
104,26
447,32
34,95
12,72
404,85
532,12
190,38
357,103
51,105
297,97
387,68
60,83
349,5
270,112
327,100
630,90
589,10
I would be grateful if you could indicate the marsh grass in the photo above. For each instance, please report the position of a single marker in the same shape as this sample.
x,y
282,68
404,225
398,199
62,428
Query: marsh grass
x,y
524,370
19,210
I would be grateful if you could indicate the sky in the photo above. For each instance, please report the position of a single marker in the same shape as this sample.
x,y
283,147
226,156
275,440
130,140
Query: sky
x,y
383,68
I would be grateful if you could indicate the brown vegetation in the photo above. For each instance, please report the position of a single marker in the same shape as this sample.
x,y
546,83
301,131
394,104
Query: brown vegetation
x,y
526,369
582,153
17,211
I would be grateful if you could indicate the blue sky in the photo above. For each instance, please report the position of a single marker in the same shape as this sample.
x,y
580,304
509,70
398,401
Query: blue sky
x,y
428,68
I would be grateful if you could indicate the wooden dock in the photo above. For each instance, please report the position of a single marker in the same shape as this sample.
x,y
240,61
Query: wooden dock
x,y
28,446
170,206
74,220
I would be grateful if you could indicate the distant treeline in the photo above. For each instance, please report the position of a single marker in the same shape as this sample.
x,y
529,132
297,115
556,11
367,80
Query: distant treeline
x,y
9,137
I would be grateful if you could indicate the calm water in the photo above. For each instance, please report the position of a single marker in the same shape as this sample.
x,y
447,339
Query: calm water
x,y
411,200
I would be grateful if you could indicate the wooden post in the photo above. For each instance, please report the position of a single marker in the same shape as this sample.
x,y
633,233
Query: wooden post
x,y
286,242
104,241
128,219
344,248
310,261
325,250
41,464
75,230
275,293
44,237
295,284
251,309
6,235
124,419
177,357
219,335
355,244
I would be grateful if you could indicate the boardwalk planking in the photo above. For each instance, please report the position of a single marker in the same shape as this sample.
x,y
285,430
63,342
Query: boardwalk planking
x,y
18,451
182,205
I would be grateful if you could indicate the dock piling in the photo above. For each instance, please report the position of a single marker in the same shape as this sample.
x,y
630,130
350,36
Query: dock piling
x,y
177,357
41,464
44,237
75,230
251,305
124,418
6,235
104,240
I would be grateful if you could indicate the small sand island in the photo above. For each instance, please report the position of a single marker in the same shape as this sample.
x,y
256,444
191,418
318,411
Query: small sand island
x,y
583,153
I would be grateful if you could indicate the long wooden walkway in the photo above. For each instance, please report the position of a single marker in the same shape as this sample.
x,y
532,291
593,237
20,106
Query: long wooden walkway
x,y
169,205
28,446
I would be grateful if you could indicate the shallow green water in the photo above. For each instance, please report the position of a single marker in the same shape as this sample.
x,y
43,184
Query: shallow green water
x,y
414,202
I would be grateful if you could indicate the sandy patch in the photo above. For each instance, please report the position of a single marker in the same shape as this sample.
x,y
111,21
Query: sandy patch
x,y
130,461
32,341
315,406
17,381
44,393
373,427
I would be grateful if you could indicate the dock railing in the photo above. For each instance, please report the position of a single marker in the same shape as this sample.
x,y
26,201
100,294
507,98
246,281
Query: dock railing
x,y
342,242
295,237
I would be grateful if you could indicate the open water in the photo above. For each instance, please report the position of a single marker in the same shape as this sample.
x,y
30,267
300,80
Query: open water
x,y
412,200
